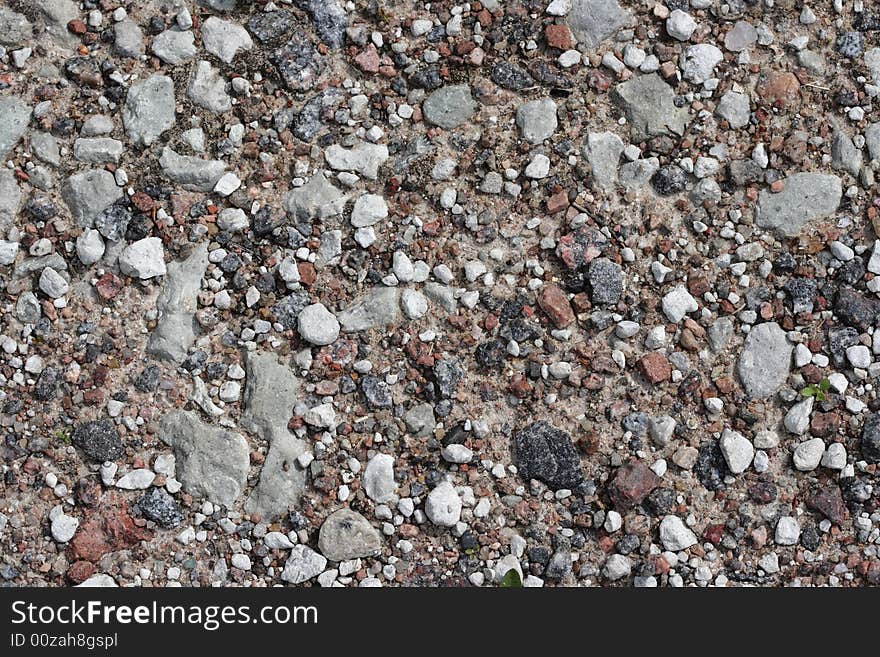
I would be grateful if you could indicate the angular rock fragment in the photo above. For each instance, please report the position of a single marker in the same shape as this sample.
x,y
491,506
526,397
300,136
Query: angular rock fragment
x,y
805,197
149,109
546,453
346,534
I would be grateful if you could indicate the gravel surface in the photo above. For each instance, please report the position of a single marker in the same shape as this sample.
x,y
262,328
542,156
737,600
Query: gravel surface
x,y
566,293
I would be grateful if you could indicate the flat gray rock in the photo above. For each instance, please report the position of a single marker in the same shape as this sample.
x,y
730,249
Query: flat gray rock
x,y
649,106
15,115
317,199
603,150
346,535
224,39
129,39
536,120
377,308
212,462
593,21
765,360
175,330
207,89
302,565
149,109
272,390
191,173
449,106
44,146
364,159
10,199
88,193
735,108
15,28
804,198
174,46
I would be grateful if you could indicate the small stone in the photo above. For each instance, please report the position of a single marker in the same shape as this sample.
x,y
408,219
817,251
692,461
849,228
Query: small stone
x,y
765,360
537,120
224,39
675,535
788,531
443,505
737,450
808,454
63,527
378,479
678,303
149,109
302,565
346,535
449,106
53,283
317,325
680,25
548,454
99,440
143,259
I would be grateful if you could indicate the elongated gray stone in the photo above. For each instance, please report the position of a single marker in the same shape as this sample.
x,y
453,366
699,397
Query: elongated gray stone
x,y
805,197
765,360
377,308
15,115
212,462
175,330
10,199
207,89
271,392
191,173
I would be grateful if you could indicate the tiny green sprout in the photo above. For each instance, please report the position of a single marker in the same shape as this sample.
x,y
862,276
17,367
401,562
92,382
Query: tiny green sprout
x,y
511,580
817,391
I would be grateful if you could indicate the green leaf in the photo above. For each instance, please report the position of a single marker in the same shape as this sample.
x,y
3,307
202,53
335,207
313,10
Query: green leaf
x,y
809,391
824,385
511,580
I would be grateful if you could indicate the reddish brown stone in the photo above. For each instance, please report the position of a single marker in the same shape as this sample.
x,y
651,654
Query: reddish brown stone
x,y
307,273
80,571
108,286
631,484
368,60
655,367
554,302
778,89
106,529
77,26
828,501
558,36
713,533
557,202
142,201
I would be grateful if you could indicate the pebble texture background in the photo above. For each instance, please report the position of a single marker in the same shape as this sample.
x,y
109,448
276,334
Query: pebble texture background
x,y
313,292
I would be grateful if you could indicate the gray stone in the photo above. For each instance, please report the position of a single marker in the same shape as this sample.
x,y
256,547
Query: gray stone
x,y
8,252
143,259
99,580
63,527
648,103
364,159
191,173
740,37
212,462
175,330
804,198
872,139
449,106
97,150
15,115
53,283
58,13
443,505
603,150
368,210
737,450
378,479
844,154
174,46
15,29
593,21
788,531
797,420
537,120
677,303
207,89
224,39
617,567
89,193
808,454
420,420
700,61
302,565
10,199
346,535
129,39
317,325
675,535
272,390
317,199
149,109
377,308
44,146
765,360
734,108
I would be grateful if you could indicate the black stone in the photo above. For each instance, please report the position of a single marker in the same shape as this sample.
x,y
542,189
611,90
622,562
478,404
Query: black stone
x,y
158,506
113,222
669,180
99,440
511,76
148,379
871,439
606,281
47,384
545,453
710,466
855,309
288,309
376,392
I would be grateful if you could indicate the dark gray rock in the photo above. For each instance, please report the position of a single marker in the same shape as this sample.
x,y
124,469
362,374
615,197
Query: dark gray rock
x,y
545,453
157,505
99,440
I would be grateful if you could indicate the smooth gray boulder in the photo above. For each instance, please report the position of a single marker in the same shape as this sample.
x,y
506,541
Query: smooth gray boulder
x,y
804,198
211,462
89,193
346,535
449,106
175,330
15,115
649,106
272,390
191,173
593,21
377,308
765,360
149,109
